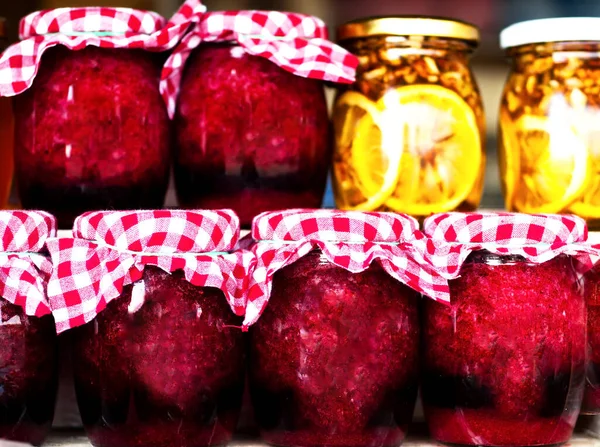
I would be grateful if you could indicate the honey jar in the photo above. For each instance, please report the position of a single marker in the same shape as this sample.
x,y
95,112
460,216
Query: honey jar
x,y
409,133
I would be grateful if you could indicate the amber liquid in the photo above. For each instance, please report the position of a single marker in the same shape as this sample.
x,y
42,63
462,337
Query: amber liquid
x,y
6,150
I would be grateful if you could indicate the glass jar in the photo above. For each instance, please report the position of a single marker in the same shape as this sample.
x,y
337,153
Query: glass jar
x,y
160,375
249,135
504,363
92,133
550,145
6,135
334,357
591,400
29,374
409,133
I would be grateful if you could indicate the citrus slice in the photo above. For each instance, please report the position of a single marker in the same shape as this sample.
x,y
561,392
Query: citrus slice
x,y
437,135
365,168
508,158
554,165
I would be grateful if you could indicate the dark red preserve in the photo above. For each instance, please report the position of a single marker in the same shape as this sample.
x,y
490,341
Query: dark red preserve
x,y
28,375
170,374
504,363
249,135
591,401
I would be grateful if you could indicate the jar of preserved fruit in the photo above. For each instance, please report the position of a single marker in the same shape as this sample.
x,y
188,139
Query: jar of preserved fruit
x,y
251,122
6,135
550,145
92,129
28,358
334,358
504,361
409,133
158,359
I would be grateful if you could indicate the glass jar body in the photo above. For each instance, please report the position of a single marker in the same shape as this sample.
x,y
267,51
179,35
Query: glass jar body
x,y
29,380
504,363
168,374
591,400
409,133
334,357
249,135
550,144
6,138
92,133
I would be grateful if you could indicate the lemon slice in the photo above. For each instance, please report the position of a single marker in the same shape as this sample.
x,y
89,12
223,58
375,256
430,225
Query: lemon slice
x,y
437,134
508,158
554,165
365,168
588,205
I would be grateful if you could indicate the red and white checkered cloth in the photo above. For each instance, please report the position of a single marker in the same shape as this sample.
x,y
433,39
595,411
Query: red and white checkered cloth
x,y
77,28
452,237
295,42
110,250
24,271
350,240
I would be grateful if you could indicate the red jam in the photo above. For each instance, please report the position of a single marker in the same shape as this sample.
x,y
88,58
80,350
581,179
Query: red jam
x,y
169,375
505,362
28,375
250,136
334,358
591,401
93,133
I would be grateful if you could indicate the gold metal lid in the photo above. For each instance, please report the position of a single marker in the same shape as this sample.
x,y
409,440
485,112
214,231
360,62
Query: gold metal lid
x,y
409,26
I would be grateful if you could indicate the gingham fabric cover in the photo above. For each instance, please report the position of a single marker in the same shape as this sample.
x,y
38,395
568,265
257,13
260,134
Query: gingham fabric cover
x,y
350,240
295,42
74,28
110,250
24,271
452,237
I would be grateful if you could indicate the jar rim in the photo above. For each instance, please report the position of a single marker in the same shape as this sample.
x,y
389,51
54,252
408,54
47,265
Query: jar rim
x,y
559,29
423,26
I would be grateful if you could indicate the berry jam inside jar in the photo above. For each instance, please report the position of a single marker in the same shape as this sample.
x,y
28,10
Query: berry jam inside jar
x,y
334,357
249,135
92,130
504,363
169,374
28,375
591,400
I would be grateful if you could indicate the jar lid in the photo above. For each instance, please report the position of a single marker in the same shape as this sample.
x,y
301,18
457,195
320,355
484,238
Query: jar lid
x,y
333,226
25,231
561,29
161,231
409,26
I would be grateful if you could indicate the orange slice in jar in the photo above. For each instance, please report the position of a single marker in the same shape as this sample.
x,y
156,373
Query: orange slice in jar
x,y
554,165
508,158
365,166
437,135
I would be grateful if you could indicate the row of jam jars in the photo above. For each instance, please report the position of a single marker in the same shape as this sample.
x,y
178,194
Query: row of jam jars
x,y
550,146
409,134
29,354
250,129
504,360
153,298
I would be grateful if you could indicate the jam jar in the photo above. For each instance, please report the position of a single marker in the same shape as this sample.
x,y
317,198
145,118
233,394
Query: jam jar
x,y
251,135
550,144
504,361
591,401
409,133
6,135
334,358
163,365
29,357
92,131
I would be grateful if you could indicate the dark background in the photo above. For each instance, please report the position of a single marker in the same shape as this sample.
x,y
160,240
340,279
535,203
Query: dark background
x,y
490,15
